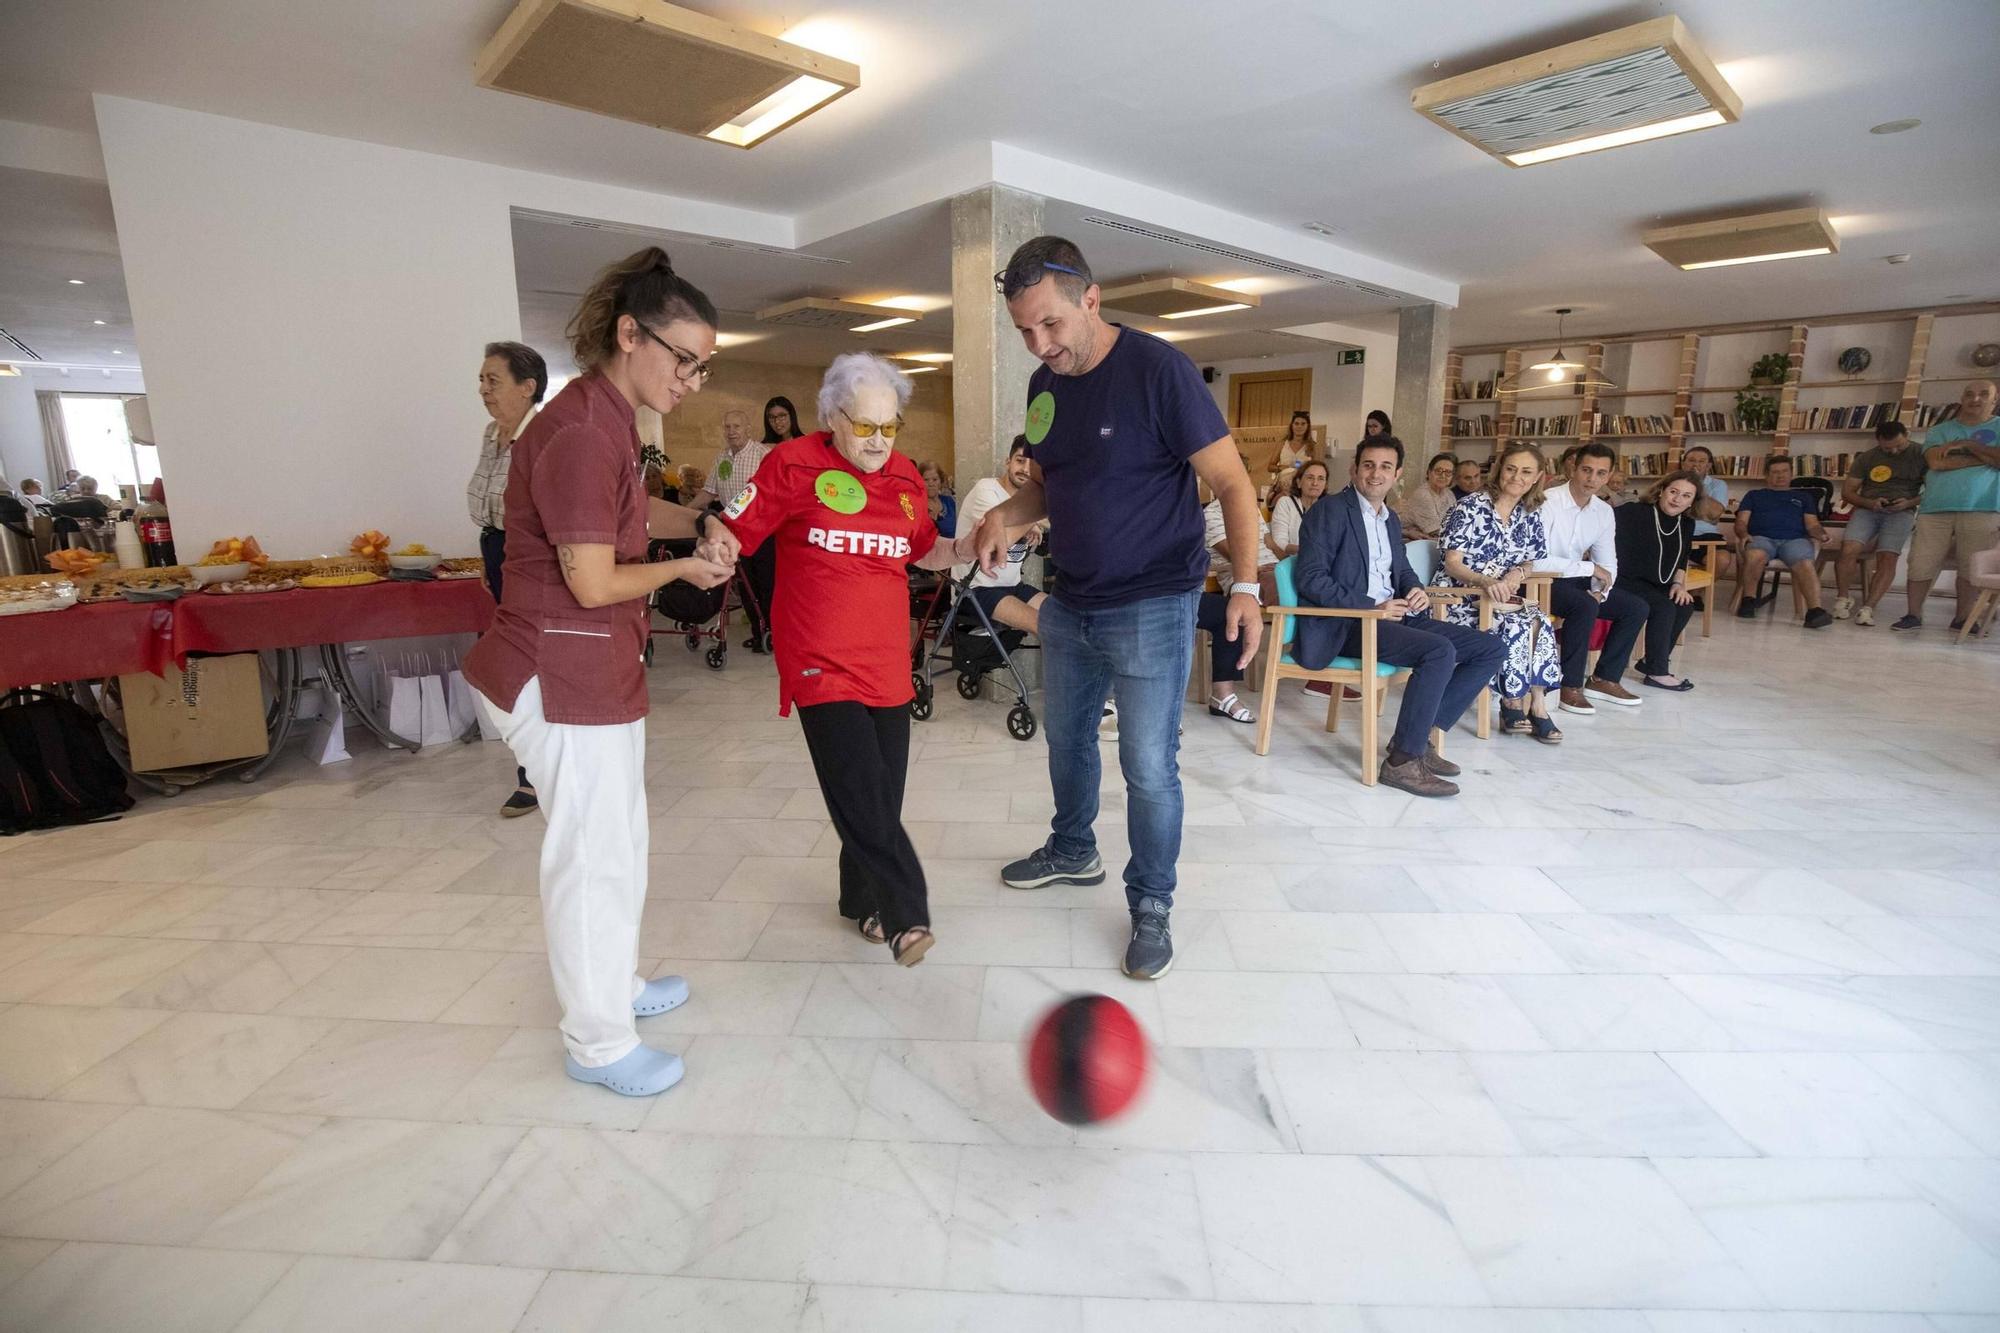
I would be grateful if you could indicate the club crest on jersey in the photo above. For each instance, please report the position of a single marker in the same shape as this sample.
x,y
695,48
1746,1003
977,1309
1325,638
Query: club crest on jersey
x,y
744,499
909,506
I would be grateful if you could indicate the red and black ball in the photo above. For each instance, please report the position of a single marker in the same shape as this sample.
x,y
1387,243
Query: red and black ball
x,y
1087,1060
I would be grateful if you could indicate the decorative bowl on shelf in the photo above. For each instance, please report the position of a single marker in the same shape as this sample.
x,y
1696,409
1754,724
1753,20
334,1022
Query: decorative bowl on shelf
x,y
428,561
1986,355
207,574
1854,360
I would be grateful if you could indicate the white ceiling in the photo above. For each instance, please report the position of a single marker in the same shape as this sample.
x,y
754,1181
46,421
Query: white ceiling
x,y
1275,110
54,228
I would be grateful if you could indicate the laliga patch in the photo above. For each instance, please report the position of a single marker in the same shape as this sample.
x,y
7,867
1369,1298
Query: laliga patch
x,y
840,492
743,500
1041,416
909,506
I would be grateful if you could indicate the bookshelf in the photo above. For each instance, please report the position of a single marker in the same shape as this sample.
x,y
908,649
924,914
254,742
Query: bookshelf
x,y
1919,360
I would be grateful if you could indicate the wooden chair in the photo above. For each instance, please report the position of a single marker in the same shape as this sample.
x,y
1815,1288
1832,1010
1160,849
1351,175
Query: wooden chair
x,y
1701,579
1983,573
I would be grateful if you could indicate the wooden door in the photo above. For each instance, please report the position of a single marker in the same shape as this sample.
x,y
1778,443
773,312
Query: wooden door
x,y
1269,397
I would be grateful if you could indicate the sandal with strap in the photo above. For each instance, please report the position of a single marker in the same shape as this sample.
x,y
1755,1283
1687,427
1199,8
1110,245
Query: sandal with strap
x,y
911,945
1229,707
1513,720
1544,730
871,930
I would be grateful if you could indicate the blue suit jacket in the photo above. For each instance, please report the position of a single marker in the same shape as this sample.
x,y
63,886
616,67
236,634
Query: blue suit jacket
x,y
1332,570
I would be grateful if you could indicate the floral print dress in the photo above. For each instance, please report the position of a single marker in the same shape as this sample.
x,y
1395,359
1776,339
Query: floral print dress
x,y
1491,548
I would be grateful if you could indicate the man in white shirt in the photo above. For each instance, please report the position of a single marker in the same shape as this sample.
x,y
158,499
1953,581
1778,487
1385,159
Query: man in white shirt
x,y
734,466
1001,593
1583,554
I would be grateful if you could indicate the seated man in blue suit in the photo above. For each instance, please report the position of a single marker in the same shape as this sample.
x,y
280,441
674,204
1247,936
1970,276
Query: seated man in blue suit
x,y
1351,555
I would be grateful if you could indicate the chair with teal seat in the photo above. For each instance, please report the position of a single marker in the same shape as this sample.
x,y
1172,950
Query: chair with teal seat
x,y
1366,673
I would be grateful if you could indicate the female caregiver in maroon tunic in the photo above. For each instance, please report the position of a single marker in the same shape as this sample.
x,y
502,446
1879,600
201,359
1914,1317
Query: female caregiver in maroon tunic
x,y
559,673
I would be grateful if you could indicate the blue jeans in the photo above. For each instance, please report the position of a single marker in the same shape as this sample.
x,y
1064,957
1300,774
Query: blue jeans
x,y
1138,654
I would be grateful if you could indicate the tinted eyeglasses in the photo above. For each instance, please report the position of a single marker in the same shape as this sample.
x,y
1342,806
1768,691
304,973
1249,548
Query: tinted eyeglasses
x,y
686,365
1011,282
866,429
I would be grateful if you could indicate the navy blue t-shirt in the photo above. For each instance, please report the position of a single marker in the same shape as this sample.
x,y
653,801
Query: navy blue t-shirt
x,y
1779,515
1125,521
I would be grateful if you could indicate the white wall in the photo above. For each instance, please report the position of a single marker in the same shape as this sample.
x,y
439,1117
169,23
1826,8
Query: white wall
x,y
310,311
21,452
1342,396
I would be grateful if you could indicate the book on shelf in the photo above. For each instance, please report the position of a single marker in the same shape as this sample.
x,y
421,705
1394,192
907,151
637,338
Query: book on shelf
x,y
1719,423
1860,416
1463,389
1653,464
1821,465
1929,414
1529,427
1612,423
1473,427
1739,466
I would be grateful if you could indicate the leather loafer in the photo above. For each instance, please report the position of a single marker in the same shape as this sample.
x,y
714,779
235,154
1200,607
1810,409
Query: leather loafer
x,y
642,1072
660,995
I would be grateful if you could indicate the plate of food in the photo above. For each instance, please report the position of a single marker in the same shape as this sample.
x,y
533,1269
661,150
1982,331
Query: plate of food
x,y
349,579
242,586
229,560
414,556
23,598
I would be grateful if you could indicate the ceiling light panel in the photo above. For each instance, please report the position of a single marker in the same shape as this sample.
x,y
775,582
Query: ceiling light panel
x,y
1176,298
658,64
1643,82
1792,233
818,312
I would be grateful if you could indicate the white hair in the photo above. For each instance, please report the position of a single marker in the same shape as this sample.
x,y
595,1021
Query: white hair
x,y
853,370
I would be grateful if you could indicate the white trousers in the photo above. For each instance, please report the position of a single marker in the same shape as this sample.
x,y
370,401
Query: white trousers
x,y
591,784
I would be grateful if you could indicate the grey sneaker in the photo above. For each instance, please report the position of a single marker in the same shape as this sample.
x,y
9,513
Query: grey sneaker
x,y
1042,867
1151,951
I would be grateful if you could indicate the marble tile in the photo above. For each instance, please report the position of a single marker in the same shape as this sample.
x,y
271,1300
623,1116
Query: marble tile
x,y
932,1001
1789,945
1015,999
18,1256
1468,942
633,1303
387,1189
36,1134
210,1061
266,914
1098,937
1575,1104
1804,1105
324,1294
1269,1009
1838,1235
691,876
1951,1013
517,992
1337,888
781,1086
1389,1103
391,1070
1630,944
1577,1232
154,1175
43,1047
1492,889
678,929
525,1084
508,925
412,985
1343,1230
132,912
90,970
781,879
747,998
411,869
1615,1013
85,1288
1308,942
1953,946
1961,1090
829,1309
1797,1014
1624,890
1434,1013
1797,892
401,920
1968,1193
234,977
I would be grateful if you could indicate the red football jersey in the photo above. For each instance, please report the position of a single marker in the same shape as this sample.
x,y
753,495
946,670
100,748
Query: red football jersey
x,y
840,619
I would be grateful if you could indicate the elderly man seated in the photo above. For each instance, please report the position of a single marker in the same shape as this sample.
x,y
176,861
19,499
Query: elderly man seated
x,y
1351,555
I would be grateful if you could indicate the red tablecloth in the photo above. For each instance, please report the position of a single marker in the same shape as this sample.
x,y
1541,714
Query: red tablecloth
x,y
224,623
86,642
119,638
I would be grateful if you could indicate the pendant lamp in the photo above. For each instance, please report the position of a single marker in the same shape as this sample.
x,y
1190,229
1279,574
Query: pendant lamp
x,y
1557,374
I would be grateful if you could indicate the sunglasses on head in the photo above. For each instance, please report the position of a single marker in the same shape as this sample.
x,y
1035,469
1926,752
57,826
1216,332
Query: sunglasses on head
x,y
1011,282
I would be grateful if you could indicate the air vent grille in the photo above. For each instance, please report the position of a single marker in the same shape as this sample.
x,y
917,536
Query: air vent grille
x,y
1240,257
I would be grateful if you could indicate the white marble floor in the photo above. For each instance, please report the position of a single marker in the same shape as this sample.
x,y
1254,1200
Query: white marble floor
x,y
1690,1026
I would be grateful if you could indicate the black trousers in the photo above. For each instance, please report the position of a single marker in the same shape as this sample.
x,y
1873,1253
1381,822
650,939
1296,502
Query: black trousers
x,y
1580,612
493,552
1664,623
862,756
1222,654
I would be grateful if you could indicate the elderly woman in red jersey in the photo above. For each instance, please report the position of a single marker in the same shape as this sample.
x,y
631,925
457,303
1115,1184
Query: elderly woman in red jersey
x,y
849,513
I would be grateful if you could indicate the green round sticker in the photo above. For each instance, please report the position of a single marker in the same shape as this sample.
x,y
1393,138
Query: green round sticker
x,y
840,492
723,469
1041,416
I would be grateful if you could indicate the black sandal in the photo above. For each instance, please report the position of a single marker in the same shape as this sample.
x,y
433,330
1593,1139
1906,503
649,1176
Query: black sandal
x,y
871,930
911,945
1513,721
1544,730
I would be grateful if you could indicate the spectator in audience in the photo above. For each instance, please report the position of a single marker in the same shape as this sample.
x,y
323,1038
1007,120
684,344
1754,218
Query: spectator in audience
x,y
1471,479
1351,555
735,467
1288,512
1296,448
69,481
781,421
1961,503
1376,423
1614,485
1654,541
1881,489
84,502
937,490
1422,511
1491,541
1710,504
31,488
1779,523
1583,555
1001,594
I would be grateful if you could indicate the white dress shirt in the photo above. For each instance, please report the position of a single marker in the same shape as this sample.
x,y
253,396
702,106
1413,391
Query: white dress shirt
x,y
1375,521
1580,536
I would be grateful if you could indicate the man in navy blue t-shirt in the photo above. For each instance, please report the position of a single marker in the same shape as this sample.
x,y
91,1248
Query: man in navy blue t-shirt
x,y
1779,523
1122,426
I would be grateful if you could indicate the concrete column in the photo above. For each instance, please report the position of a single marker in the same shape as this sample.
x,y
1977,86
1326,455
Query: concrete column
x,y
989,366
1423,337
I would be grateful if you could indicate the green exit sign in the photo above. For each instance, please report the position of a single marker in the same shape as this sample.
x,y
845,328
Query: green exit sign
x,y
1353,357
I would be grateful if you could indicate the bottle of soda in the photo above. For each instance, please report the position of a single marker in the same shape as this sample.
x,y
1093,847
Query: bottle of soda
x,y
156,535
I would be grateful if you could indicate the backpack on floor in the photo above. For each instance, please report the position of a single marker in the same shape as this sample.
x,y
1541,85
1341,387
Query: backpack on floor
x,y
54,767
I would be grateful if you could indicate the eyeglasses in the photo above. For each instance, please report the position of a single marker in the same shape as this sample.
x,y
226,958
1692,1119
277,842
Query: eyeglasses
x,y
686,365
1011,282
863,429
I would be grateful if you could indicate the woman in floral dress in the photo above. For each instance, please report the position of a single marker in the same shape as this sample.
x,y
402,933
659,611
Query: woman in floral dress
x,y
1491,541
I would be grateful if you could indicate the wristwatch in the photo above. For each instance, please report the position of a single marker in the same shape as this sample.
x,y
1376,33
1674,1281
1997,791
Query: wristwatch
x,y
1248,590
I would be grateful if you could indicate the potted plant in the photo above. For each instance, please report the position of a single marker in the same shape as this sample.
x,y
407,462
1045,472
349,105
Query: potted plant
x,y
1756,412
1770,369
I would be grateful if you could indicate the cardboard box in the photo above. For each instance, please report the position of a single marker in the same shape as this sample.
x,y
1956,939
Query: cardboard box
x,y
212,713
